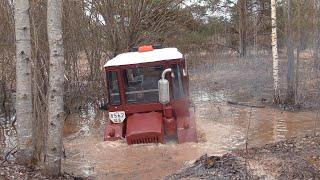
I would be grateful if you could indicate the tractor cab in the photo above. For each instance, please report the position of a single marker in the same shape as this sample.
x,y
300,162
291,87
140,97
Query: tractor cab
x,y
148,97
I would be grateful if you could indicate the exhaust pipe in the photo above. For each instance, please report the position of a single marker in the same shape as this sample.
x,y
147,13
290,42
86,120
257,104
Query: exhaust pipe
x,y
163,88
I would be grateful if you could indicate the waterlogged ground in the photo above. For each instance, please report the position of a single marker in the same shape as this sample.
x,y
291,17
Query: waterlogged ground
x,y
222,128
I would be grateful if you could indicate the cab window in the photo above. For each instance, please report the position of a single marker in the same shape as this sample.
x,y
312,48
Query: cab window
x,y
141,84
113,88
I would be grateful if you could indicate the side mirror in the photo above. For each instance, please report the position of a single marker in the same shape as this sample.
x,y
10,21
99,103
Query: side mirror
x,y
163,88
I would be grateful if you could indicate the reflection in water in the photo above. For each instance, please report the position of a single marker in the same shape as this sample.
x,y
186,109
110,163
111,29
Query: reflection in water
x,y
280,128
205,96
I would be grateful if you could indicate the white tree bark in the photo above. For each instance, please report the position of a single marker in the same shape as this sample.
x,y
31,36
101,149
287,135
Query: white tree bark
x,y
274,44
56,88
23,80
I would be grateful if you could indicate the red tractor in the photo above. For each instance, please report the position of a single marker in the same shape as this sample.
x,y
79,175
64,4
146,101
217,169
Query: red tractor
x,y
148,97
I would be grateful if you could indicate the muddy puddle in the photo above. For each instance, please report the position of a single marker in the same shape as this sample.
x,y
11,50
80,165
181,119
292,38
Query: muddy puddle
x,y
221,127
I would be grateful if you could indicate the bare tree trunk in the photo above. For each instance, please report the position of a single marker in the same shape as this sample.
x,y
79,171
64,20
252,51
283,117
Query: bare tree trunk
x,y
274,44
299,48
255,8
56,88
40,73
290,55
255,36
23,73
243,28
316,24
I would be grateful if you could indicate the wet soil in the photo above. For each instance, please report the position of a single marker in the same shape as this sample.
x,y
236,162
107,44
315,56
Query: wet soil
x,y
295,158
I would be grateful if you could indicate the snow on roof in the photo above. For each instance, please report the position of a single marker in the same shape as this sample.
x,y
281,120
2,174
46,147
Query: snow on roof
x,y
144,57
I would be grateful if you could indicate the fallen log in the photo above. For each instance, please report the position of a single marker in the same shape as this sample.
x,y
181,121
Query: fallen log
x,y
245,104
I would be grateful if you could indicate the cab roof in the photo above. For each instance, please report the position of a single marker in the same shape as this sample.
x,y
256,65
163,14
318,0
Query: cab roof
x,y
155,55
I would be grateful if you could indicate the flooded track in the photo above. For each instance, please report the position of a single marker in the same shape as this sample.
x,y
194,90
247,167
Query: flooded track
x,y
221,128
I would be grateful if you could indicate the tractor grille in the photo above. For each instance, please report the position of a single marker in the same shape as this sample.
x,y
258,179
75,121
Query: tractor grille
x,y
145,140
144,128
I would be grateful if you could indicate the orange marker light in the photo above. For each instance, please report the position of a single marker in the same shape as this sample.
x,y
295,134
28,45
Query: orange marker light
x,y
145,48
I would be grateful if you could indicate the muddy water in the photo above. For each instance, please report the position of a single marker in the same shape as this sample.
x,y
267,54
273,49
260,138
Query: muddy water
x,y
221,127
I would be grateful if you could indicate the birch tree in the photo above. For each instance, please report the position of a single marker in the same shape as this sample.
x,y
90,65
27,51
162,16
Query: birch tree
x,y
274,44
23,80
56,88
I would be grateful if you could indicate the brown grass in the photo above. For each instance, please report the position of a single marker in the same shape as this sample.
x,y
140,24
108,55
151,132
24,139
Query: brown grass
x,y
251,79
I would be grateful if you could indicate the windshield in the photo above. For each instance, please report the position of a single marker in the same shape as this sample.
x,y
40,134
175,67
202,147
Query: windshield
x,y
141,84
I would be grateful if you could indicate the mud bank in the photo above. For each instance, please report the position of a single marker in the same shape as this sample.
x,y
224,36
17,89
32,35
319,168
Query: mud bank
x,y
13,171
295,158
